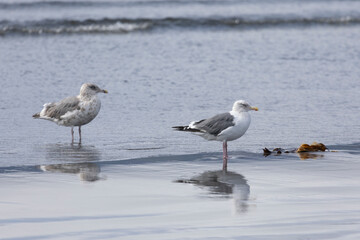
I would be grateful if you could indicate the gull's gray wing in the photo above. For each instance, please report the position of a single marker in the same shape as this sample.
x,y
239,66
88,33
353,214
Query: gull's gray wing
x,y
56,110
216,124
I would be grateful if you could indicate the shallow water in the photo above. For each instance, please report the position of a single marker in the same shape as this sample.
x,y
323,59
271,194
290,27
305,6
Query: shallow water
x,y
302,80
134,177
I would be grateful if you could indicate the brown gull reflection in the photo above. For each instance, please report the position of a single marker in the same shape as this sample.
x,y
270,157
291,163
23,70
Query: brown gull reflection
x,y
82,156
224,184
71,153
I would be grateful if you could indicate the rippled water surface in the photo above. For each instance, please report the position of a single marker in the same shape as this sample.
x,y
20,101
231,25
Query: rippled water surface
x,y
167,63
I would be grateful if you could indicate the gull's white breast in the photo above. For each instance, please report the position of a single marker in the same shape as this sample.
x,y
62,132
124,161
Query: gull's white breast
x,y
242,122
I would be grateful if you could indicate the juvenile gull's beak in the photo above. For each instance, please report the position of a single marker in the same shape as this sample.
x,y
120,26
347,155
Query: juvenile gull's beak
x,y
104,91
254,108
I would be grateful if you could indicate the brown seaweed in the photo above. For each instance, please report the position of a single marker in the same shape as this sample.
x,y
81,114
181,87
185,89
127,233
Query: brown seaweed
x,y
304,148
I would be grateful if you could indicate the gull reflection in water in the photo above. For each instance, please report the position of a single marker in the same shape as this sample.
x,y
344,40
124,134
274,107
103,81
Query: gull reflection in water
x,y
224,183
86,170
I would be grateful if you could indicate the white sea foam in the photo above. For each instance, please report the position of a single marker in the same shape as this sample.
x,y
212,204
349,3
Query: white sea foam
x,y
103,28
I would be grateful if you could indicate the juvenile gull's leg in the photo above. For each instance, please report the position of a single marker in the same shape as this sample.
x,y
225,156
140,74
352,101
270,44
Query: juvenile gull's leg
x,y
72,135
79,134
225,155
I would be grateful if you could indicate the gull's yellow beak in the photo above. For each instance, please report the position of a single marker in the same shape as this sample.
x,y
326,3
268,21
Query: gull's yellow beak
x,y
105,91
254,108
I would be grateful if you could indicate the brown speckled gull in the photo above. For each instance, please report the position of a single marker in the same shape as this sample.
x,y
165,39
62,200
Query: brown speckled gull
x,y
74,111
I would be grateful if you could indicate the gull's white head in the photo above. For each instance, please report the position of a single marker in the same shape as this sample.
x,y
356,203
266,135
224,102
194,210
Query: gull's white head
x,y
90,89
243,106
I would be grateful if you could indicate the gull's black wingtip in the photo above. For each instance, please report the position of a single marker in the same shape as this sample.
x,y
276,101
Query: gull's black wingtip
x,y
185,128
179,128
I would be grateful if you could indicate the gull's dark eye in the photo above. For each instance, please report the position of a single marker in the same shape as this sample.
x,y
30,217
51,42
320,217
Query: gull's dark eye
x,y
92,87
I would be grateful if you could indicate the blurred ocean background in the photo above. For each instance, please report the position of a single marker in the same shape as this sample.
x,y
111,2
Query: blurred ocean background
x,y
166,63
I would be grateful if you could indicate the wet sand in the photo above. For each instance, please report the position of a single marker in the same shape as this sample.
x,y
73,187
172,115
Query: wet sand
x,y
185,197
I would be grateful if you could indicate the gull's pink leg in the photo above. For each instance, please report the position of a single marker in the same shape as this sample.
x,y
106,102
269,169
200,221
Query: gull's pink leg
x,y
225,155
79,134
72,135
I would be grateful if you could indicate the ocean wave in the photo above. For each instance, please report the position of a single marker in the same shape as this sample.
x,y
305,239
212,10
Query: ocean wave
x,y
123,25
71,27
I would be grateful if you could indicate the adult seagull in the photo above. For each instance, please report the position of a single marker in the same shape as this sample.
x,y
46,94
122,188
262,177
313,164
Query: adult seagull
x,y
223,127
74,111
